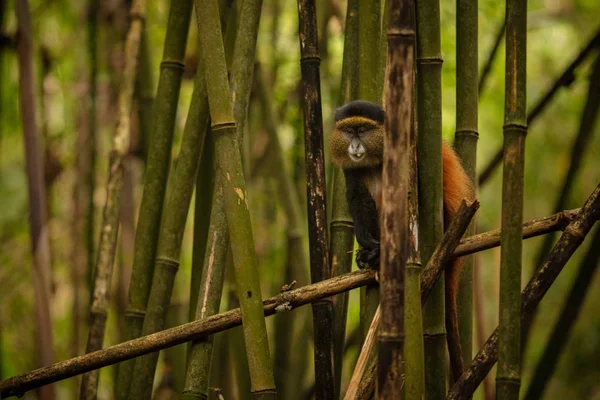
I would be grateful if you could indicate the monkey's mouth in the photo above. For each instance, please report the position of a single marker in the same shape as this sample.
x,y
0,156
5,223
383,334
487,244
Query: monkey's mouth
x,y
356,156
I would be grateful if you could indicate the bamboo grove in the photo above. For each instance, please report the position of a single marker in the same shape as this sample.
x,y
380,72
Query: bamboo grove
x,y
239,197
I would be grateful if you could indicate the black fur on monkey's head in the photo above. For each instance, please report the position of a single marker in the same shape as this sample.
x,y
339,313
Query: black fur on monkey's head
x,y
358,124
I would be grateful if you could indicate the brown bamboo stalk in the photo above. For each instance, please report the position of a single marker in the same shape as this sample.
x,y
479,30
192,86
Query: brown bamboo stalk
x,y
315,192
399,129
40,242
110,218
533,293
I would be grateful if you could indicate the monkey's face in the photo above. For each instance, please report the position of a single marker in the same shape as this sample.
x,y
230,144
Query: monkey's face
x,y
357,142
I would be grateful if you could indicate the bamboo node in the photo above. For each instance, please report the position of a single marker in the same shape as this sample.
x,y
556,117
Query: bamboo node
x,y
168,263
467,133
429,60
310,60
223,126
135,313
517,128
174,64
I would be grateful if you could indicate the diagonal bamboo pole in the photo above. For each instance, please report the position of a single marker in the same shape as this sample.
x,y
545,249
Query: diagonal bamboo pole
x,y
533,293
286,301
158,159
320,267
236,202
110,218
508,376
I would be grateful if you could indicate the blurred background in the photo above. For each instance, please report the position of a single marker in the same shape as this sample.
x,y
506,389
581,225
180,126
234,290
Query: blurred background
x,y
557,31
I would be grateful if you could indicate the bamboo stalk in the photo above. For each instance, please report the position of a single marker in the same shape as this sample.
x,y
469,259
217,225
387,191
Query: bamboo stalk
x,y
369,59
465,144
171,232
155,178
235,194
341,226
286,358
208,299
565,79
283,302
110,217
320,267
399,129
429,115
38,228
533,293
563,327
508,379
363,366
145,94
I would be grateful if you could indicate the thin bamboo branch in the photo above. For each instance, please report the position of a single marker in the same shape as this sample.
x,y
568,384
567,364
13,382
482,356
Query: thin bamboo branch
x,y
565,79
315,192
431,223
399,129
465,144
487,67
533,293
508,375
283,302
110,218
236,202
564,325
38,224
171,232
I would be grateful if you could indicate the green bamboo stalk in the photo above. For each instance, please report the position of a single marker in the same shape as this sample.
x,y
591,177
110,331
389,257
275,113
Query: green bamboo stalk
x,y
171,232
209,298
175,357
465,144
341,226
589,118
145,94
508,379
429,148
235,194
574,234
205,181
155,176
286,360
399,129
36,193
320,267
566,320
369,37
110,218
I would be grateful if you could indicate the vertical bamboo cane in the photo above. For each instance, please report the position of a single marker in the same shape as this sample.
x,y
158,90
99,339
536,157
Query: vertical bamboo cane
x,y
155,178
110,218
508,379
394,211
315,193
236,205
369,37
38,224
465,143
429,89
341,227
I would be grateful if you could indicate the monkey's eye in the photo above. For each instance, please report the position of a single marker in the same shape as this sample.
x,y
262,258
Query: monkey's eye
x,y
362,129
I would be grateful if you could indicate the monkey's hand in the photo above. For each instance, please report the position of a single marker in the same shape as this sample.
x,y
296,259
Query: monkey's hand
x,y
368,258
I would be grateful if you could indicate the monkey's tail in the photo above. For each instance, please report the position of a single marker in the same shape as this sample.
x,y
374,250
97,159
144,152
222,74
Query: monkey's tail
x,y
457,186
454,348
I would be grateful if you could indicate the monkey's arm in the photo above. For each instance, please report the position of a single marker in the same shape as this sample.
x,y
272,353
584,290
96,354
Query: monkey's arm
x,y
366,222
